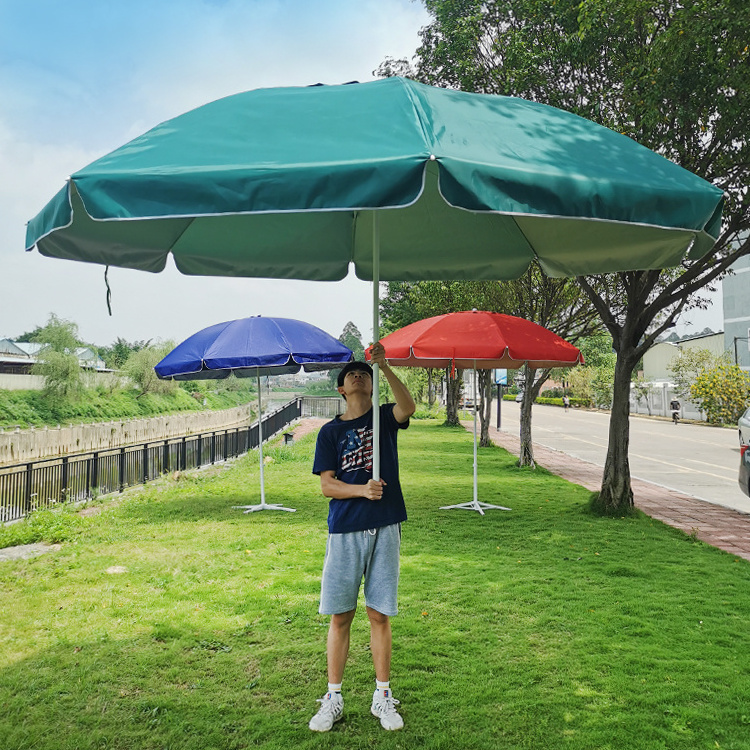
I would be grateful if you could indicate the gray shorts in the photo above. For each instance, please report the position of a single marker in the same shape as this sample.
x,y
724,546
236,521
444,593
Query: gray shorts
x,y
373,554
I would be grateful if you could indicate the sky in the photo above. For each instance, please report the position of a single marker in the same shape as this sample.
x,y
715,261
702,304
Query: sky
x,y
80,78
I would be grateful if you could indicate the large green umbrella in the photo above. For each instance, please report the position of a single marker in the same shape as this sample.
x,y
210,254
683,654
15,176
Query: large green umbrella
x,y
403,180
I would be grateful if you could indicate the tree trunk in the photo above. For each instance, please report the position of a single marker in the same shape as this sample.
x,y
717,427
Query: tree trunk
x,y
453,387
616,495
526,453
430,389
485,407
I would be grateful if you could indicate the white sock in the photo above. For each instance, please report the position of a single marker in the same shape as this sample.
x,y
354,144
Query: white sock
x,y
334,687
384,688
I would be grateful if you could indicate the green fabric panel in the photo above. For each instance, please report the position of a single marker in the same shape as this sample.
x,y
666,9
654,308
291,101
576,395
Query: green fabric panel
x,y
142,245
571,247
56,214
310,245
282,183
506,154
267,150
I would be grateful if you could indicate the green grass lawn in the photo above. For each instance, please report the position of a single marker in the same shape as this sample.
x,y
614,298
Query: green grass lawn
x,y
543,627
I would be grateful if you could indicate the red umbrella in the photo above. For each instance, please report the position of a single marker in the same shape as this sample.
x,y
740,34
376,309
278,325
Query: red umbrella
x,y
478,340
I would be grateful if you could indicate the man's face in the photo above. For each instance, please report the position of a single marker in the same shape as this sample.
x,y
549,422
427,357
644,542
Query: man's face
x,y
356,381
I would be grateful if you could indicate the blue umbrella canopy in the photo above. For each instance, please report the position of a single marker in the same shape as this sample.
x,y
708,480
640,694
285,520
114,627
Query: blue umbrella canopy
x,y
251,347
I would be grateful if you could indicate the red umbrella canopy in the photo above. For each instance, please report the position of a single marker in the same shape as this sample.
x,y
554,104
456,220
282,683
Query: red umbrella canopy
x,y
478,339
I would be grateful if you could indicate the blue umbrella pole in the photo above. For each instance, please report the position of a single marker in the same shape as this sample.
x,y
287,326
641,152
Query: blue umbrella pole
x,y
263,505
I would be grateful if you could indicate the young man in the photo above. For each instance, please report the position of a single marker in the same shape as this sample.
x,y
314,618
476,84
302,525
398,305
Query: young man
x,y
364,525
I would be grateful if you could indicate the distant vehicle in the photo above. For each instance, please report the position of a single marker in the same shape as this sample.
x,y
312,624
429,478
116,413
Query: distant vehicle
x,y
744,478
519,398
743,427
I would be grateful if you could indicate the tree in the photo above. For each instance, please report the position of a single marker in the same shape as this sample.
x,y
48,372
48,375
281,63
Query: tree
x,y
723,392
117,353
139,367
555,304
57,361
673,76
351,338
690,363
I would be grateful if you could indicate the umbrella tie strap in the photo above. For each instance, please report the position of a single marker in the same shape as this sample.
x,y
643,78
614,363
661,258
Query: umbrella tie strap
x,y
109,291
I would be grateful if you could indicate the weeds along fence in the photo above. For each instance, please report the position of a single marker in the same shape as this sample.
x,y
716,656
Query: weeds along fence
x,y
45,483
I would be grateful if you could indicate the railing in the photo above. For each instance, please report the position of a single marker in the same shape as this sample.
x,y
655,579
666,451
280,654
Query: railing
x,y
77,477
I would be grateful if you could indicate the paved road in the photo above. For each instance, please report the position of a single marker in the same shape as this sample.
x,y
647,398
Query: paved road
x,y
698,460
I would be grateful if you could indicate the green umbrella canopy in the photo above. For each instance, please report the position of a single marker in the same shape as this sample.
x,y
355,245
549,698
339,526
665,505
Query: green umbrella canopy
x,y
285,182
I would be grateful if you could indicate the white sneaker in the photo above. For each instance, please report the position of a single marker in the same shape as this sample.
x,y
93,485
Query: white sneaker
x,y
331,710
384,707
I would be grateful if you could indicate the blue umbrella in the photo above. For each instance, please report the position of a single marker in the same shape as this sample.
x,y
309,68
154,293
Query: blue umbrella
x,y
252,347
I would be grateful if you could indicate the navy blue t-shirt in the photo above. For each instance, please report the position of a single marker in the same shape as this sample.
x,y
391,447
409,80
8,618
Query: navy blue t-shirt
x,y
345,447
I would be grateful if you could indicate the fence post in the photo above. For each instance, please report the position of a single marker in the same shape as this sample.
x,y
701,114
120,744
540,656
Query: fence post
x,y
64,480
122,469
165,457
27,491
144,460
88,479
199,457
213,447
183,451
95,471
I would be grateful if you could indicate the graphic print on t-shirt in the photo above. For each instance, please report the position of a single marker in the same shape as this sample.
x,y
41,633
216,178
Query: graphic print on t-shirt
x,y
357,453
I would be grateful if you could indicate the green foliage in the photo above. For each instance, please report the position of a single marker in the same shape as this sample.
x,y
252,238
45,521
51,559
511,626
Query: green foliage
x,y
32,408
723,392
62,375
352,338
61,524
321,388
59,335
139,367
690,363
582,384
116,355
602,385
57,362
597,350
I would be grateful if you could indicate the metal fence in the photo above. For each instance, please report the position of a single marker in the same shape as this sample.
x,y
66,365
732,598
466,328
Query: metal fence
x,y
322,407
77,477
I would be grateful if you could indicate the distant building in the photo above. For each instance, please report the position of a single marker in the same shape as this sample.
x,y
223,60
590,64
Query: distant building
x,y
18,357
736,293
657,360
14,360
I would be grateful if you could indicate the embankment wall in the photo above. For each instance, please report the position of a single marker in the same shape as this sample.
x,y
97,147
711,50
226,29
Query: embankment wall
x,y
19,446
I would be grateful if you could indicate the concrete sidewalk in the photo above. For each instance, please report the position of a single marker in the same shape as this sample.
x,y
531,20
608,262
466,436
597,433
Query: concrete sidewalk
x,y
716,525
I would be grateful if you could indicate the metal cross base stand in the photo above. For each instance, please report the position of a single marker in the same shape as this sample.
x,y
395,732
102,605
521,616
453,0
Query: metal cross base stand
x,y
263,506
475,505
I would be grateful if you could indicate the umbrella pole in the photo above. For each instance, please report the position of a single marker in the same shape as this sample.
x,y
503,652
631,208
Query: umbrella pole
x,y
263,505
475,504
375,339
260,443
